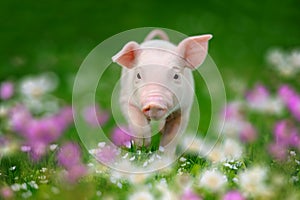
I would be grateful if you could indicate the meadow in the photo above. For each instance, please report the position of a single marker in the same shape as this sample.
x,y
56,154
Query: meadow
x,y
43,156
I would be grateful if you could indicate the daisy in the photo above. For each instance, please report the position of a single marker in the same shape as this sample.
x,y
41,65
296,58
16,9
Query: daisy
x,y
141,195
213,180
252,181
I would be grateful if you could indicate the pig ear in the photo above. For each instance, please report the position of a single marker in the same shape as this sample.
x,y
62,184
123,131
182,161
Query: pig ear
x,y
194,50
127,56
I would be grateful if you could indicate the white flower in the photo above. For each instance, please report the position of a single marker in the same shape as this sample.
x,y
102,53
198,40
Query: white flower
x,y
213,180
142,195
275,57
295,58
35,87
192,144
232,127
33,185
27,194
167,194
15,187
3,111
138,178
52,147
216,154
232,149
163,164
287,64
252,181
270,105
229,150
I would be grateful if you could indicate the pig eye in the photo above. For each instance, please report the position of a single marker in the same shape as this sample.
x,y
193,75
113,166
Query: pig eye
x,y
176,77
138,76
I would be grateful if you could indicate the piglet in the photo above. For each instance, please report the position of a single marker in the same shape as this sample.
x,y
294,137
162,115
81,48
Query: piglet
x,y
157,85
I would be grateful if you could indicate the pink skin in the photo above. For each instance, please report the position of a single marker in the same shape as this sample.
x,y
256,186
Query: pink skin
x,y
157,84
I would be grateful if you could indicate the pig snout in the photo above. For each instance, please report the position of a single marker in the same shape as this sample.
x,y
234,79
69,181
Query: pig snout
x,y
154,111
155,107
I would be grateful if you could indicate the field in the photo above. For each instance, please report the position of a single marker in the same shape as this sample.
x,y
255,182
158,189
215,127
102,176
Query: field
x,y
57,121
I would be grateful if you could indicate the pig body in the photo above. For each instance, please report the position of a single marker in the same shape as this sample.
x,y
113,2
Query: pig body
x,y
157,84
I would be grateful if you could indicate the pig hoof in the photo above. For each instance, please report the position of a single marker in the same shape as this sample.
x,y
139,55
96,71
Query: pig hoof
x,y
142,142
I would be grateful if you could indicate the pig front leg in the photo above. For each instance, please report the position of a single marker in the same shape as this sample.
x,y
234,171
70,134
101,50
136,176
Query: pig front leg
x,y
139,125
175,125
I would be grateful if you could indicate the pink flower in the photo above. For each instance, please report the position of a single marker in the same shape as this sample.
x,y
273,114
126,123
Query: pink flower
x,y
19,119
232,111
6,90
294,106
190,195
76,172
291,100
285,93
294,140
233,195
6,192
107,154
38,149
39,132
283,132
65,117
94,116
258,95
278,151
248,133
121,136
44,130
69,155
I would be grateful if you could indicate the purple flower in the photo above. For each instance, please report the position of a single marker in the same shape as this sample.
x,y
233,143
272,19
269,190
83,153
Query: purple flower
x,y
25,148
278,151
69,155
294,106
19,119
232,111
6,90
95,116
39,132
6,192
283,132
121,136
76,172
38,149
291,100
285,93
257,95
286,136
294,140
65,117
248,133
44,130
107,154
233,195
190,195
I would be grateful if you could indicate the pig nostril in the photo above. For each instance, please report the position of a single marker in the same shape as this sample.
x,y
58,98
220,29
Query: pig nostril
x,y
160,109
146,109
153,109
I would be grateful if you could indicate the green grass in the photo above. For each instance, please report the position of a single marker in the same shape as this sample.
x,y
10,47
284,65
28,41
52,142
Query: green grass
x,y
57,35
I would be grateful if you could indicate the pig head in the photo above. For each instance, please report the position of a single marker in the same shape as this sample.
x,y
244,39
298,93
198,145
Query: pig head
x,y
157,84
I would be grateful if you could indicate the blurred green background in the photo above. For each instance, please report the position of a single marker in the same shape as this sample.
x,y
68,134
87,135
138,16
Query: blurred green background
x,y
38,36
32,32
